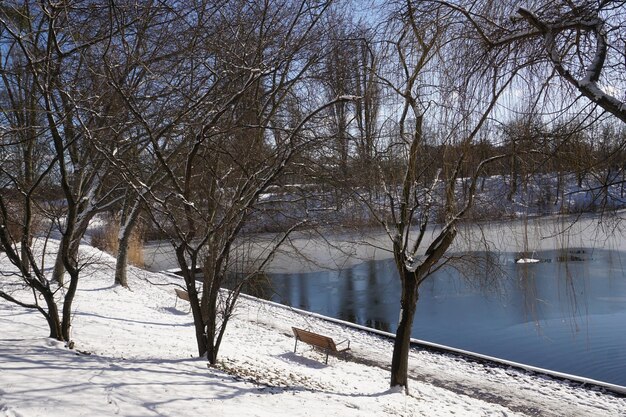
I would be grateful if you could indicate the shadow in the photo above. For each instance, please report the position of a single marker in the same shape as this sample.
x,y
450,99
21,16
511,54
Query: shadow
x,y
156,373
302,385
151,323
100,288
120,380
176,311
19,311
291,357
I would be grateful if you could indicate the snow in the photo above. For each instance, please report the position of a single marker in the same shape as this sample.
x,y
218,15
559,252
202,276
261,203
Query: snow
x,y
527,261
134,354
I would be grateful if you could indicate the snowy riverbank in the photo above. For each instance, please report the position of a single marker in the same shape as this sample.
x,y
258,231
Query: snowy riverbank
x,y
134,355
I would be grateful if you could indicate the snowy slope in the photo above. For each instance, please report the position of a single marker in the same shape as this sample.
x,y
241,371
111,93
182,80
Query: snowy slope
x,y
135,356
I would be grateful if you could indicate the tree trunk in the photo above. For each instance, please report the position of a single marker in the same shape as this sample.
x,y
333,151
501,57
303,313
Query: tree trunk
x,y
70,242
210,299
128,221
67,305
198,316
211,352
402,344
56,331
52,317
121,262
188,269
24,255
201,337
58,274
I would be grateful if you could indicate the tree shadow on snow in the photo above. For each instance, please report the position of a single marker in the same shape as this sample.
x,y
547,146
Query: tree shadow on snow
x,y
99,288
127,320
86,373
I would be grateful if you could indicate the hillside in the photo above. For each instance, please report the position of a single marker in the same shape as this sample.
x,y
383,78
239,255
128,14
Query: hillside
x,y
134,355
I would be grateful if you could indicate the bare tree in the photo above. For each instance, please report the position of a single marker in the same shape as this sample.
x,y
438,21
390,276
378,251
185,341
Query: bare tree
x,y
23,142
521,133
581,42
230,117
368,89
444,96
147,43
338,79
49,101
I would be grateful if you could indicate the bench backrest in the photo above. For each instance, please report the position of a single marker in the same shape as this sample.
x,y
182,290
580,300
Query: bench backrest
x,y
314,339
182,294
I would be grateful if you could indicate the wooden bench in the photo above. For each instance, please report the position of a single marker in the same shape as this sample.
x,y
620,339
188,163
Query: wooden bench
x,y
183,295
317,340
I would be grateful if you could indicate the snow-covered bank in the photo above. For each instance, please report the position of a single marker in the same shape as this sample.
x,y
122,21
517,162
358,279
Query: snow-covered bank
x,y
472,356
134,355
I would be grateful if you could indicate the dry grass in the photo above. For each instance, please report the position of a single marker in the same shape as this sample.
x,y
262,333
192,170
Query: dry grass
x,y
106,239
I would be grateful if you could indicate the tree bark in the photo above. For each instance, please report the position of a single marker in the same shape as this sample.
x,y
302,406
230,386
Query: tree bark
x,y
200,326
121,263
67,304
402,344
58,273
210,292
201,337
52,317
128,221
209,300
188,270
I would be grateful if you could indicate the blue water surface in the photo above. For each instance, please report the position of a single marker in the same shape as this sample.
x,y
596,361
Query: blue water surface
x,y
566,313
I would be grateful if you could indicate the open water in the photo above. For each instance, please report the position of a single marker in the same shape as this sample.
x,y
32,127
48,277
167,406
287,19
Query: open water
x,y
566,313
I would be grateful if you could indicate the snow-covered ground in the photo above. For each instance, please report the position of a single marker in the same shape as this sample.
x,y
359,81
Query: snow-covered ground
x,y
134,355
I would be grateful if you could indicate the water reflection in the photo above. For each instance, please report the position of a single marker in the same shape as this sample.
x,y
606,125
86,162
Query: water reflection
x,y
566,312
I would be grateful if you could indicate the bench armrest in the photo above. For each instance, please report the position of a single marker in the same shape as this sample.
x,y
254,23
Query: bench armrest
x,y
343,341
